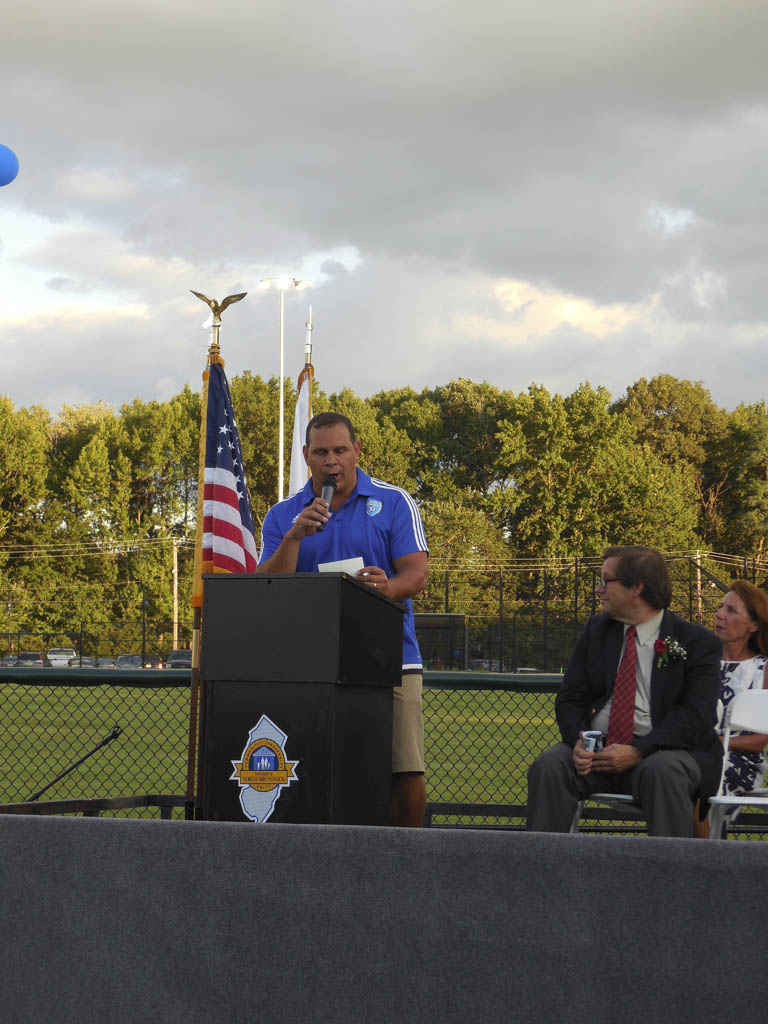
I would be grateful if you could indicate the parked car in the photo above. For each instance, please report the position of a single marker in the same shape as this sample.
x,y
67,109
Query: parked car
x,y
179,659
59,657
8,661
128,661
153,661
106,661
30,659
84,662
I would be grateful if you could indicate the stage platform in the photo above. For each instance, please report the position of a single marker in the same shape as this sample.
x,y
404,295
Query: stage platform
x,y
113,920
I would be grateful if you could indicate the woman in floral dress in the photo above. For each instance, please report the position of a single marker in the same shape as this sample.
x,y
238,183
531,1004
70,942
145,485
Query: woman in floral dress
x,y
741,622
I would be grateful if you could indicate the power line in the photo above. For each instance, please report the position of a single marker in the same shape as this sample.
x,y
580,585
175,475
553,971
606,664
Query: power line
x,y
87,548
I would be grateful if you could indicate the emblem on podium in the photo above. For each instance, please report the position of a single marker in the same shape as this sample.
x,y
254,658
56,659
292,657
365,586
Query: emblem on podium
x,y
263,771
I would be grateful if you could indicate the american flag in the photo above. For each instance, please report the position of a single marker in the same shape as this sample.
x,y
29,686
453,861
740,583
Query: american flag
x,y
228,543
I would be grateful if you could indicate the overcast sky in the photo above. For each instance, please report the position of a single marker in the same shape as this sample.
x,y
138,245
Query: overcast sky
x,y
511,191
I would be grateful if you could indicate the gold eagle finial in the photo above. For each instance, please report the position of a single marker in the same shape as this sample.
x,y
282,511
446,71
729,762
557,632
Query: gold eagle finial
x,y
217,308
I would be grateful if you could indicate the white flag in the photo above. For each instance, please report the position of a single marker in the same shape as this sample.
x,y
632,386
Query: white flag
x,y
299,468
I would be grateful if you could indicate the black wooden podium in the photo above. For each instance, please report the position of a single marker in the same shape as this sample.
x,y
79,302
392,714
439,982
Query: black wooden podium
x,y
312,658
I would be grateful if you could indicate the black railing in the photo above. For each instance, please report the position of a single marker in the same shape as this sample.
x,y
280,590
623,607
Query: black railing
x,y
94,808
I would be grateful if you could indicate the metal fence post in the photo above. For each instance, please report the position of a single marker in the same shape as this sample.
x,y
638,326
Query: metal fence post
x,y
546,621
501,620
575,599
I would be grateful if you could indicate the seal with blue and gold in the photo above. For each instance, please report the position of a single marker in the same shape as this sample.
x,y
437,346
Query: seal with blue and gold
x,y
263,770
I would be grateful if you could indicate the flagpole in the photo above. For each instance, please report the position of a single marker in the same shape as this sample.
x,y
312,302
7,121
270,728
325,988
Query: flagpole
x,y
308,344
195,704
299,472
281,283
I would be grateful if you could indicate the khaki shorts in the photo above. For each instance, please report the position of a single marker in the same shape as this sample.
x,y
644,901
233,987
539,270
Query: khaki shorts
x,y
407,726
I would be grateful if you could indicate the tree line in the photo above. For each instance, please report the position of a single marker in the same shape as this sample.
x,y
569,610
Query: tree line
x,y
94,500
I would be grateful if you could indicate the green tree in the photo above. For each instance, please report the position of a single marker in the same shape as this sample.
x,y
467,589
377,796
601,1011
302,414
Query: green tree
x,y
161,441
70,432
465,541
97,491
419,418
24,451
256,405
471,417
739,514
453,432
676,418
579,479
678,421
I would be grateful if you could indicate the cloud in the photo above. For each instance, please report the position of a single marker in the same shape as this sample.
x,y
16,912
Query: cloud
x,y
543,189
68,285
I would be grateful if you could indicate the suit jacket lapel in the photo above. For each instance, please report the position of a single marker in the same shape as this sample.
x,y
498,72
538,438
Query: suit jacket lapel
x,y
658,674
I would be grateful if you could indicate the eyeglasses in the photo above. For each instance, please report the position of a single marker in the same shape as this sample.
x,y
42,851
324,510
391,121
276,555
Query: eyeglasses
x,y
602,582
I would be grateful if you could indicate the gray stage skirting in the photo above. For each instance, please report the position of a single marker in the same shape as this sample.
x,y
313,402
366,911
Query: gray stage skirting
x,y
140,921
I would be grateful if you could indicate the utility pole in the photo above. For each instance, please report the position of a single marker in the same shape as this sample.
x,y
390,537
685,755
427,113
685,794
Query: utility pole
x,y
699,609
175,644
144,606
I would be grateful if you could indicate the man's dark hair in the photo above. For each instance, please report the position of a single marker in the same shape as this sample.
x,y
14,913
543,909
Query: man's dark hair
x,y
639,564
330,419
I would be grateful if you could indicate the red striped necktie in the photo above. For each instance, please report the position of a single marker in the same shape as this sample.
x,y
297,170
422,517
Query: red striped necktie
x,y
622,720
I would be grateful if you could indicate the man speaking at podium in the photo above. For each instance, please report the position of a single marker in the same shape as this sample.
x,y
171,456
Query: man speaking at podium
x,y
379,523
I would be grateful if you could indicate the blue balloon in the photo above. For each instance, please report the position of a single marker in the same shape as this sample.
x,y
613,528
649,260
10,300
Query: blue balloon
x,y
9,165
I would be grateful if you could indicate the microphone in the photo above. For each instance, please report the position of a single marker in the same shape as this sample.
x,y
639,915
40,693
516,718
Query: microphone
x,y
327,492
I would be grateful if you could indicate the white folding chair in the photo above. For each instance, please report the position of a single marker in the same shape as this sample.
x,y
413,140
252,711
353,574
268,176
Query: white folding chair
x,y
748,710
618,801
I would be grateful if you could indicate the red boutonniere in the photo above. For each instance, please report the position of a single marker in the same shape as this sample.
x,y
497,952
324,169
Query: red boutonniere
x,y
668,650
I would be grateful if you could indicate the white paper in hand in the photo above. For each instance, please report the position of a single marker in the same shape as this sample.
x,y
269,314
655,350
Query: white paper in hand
x,y
350,565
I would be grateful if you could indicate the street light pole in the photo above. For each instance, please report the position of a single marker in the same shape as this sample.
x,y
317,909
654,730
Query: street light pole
x,y
281,432
175,593
281,283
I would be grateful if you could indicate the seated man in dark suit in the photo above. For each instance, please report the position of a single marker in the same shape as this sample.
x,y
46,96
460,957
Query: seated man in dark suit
x,y
649,681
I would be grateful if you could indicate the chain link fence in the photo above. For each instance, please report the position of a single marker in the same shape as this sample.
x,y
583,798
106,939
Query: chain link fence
x,y
47,725
480,737
481,734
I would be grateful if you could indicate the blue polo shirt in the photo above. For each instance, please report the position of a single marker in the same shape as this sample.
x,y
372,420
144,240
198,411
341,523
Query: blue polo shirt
x,y
378,522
